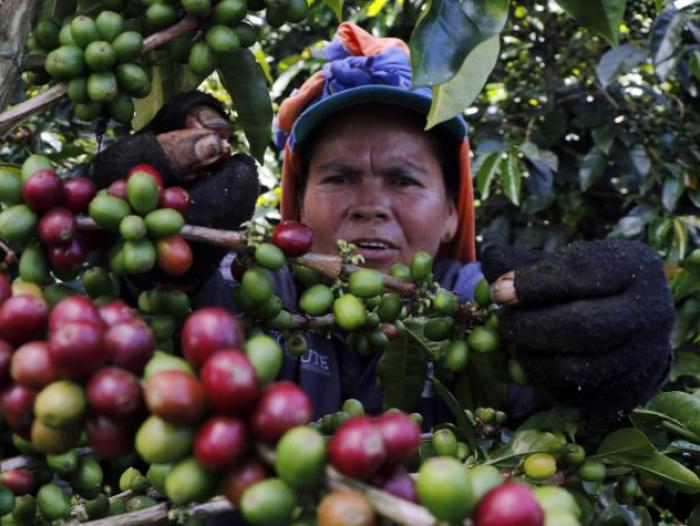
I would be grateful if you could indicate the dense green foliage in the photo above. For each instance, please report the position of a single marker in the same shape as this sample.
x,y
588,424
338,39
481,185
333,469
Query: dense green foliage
x,y
573,138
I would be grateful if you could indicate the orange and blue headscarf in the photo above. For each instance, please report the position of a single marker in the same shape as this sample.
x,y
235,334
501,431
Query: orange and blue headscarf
x,y
360,69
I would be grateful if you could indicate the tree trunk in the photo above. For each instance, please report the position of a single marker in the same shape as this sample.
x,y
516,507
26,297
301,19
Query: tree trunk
x,y
15,24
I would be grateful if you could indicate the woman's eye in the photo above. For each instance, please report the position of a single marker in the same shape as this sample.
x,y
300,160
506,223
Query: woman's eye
x,y
337,179
405,180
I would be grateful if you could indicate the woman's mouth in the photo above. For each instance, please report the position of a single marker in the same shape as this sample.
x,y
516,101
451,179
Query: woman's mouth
x,y
376,251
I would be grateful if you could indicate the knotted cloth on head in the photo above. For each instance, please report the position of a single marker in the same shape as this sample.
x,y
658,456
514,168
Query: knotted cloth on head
x,y
363,69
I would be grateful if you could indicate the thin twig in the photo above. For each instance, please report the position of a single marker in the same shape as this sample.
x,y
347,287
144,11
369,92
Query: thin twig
x,y
28,461
10,256
29,107
604,92
299,321
398,510
331,266
156,40
150,515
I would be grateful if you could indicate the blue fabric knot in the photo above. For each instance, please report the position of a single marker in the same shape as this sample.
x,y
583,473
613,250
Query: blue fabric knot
x,y
344,71
390,68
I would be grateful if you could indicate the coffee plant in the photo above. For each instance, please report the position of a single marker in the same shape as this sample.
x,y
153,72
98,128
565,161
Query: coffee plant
x,y
118,401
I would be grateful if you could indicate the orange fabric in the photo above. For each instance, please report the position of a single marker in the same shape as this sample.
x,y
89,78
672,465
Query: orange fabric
x,y
289,203
463,245
356,41
293,105
361,43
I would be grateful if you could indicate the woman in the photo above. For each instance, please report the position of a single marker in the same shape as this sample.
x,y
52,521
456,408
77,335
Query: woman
x,y
592,323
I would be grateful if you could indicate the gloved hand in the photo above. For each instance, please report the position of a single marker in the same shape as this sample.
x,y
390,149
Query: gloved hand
x,y
590,324
190,133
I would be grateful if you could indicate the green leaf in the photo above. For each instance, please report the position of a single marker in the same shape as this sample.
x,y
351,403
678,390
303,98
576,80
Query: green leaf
x,y
261,57
414,329
603,136
659,233
402,370
665,40
686,364
602,17
58,9
511,178
672,191
245,81
692,262
624,445
617,61
455,95
694,196
640,159
168,79
694,63
679,245
481,384
673,473
537,155
679,405
146,107
591,168
446,34
487,172
557,419
336,6
526,442
684,284
685,326
463,424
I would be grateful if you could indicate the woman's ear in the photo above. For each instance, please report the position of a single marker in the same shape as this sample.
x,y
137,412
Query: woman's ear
x,y
451,223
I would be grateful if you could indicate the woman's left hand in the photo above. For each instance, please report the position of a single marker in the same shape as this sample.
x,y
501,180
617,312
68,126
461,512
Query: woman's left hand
x,y
590,323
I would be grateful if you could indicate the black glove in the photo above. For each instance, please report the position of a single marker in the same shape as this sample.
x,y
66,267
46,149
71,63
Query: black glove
x,y
223,199
226,198
173,114
115,161
143,147
591,324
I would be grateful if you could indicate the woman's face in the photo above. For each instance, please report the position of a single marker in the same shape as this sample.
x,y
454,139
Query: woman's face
x,y
373,180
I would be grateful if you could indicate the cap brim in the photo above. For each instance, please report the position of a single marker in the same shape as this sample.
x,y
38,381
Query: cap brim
x,y
320,112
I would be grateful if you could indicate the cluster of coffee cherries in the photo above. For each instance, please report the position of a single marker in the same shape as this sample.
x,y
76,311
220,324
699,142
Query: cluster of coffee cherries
x,y
360,304
39,215
148,217
100,55
82,368
99,58
225,29
56,366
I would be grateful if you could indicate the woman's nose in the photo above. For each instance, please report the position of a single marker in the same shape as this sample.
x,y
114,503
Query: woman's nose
x,y
369,212
370,201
